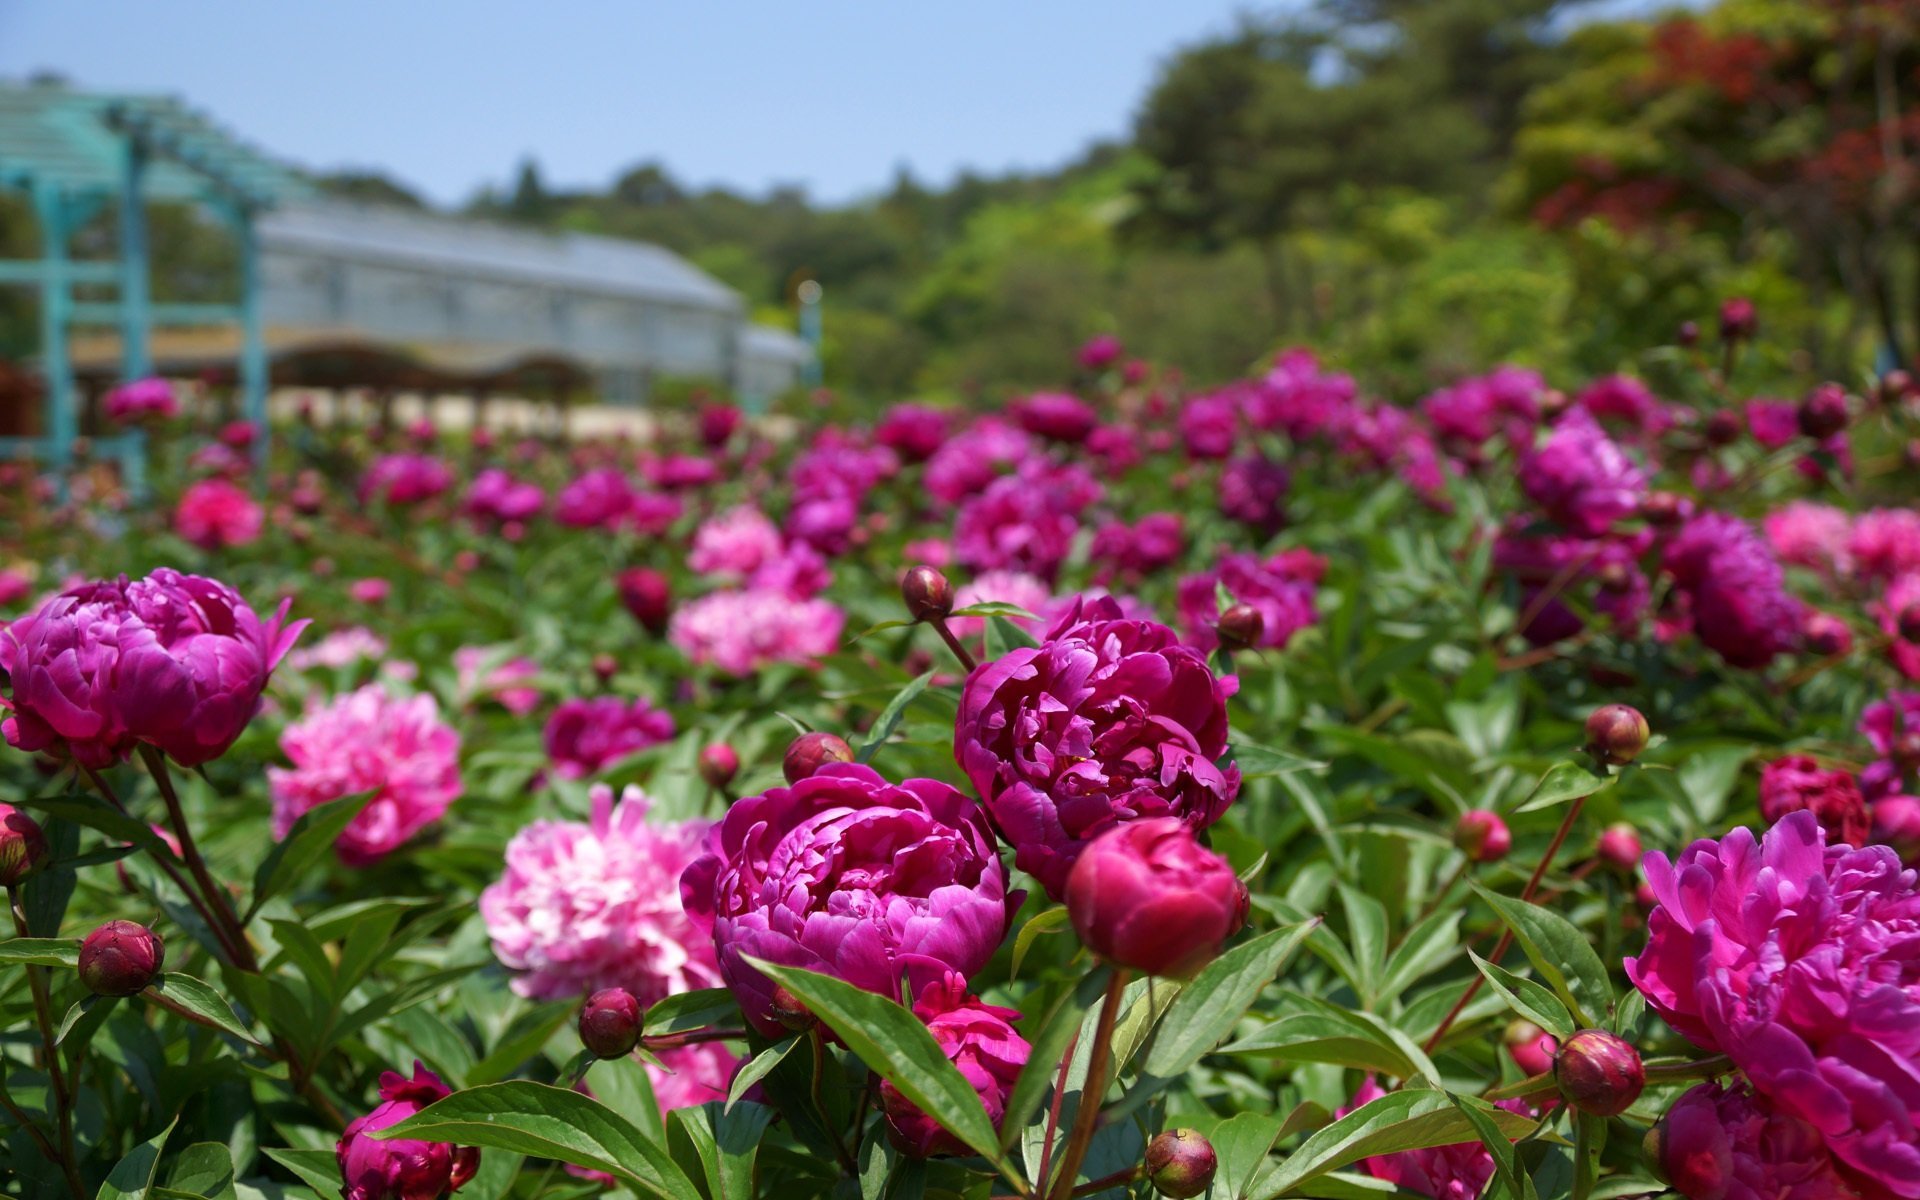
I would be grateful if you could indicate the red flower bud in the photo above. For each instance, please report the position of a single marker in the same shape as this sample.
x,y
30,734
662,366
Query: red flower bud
x,y
647,595
1180,1163
718,765
23,847
1826,634
790,1010
605,667
120,958
928,595
1532,1047
1619,847
1910,623
1482,836
1738,319
1824,412
1240,627
610,1023
1688,335
1895,386
1663,508
1616,734
1147,895
1723,428
1598,1073
811,751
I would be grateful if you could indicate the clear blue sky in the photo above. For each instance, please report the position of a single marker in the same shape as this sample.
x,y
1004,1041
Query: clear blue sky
x,y
445,97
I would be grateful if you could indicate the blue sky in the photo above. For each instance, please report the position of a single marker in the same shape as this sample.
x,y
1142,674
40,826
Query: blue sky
x,y
445,97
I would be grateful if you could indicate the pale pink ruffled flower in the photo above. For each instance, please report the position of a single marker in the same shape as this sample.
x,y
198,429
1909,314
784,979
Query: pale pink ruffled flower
x,y
369,741
214,514
1003,587
596,904
341,648
1811,535
1885,543
741,631
735,543
484,674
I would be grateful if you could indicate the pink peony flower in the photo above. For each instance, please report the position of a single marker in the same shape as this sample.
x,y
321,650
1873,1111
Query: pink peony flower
x,y
401,479
735,543
597,499
913,431
1099,352
1580,478
1628,402
1811,535
175,661
1773,423
1732,591
214,514
1253,491
497,498
980,1040
742,631
1902,595
143,399
1885,543
1721,1143
404,1168
1456,1172
369,591
1797,783
971,460
16,586
1153,543
1056,416
341,648
1107,720
1002,587
1551,569
844,873
689,1076
1281,586
583,736
369,741
1210,425
1024,522
717,424
1892,728
482,672
1801,962
588,905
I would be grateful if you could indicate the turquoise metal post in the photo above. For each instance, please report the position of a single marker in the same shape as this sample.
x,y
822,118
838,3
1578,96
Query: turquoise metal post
x,y
253,342
136,356
809,294
56,301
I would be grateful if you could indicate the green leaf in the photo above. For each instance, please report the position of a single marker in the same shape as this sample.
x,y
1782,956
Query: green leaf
x,y
889,719
683,1011
1564,781
993,608
549,1122
896,1043
1589,1139
1047,920
757,1067
1331,1034
1562,955
201,1000
725,1141
1004,637
1528,998
311,836
1048,1045
1258,762
41,952
132,1177
319,1168
203,1169
1367,935
1507,1168
1240,1146
1207,1009
1410,1119
1425,947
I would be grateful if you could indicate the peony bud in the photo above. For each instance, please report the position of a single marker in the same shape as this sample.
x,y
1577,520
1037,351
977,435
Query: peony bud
x,y
1147,895
1723,428
1482,836
1553,402
1910,622
1895,386
1826,634
23,846
1619,847
605,667
647,595
1738,319
790,1010
1688,335
718,765
1532,1047
1180,1163
1616,734
928,595
1240,627
1824,412
120,958
610,1023
1598,1073
811,751
402,1168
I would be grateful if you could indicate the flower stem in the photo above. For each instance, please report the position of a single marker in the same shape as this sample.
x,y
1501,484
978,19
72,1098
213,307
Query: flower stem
x,y
1117,1179
1506,939
67,1158
953,643
216,895
819,1103
1094,1090
692,1037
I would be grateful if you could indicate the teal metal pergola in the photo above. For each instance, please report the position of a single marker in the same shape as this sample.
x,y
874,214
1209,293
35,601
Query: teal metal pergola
x,y
75,153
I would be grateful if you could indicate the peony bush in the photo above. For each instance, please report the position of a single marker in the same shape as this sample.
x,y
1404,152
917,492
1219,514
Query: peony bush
x,y
1265,790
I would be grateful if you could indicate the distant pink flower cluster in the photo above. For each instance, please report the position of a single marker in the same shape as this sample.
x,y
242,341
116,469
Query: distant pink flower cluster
x,y
1730,591
1025,522
1891,784
830,482
1282,587
1056,416
142,400
1580,478
1153,543
605,498
496,498
1505,401
484,673
974,458
742,631
1801,962
584,735
1627,404
588,905
736,543
369,741
215,514
1553,569
341,648
913,431
404,479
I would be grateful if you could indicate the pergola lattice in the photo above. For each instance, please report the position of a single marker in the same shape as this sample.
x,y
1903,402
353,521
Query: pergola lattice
x,y
74,153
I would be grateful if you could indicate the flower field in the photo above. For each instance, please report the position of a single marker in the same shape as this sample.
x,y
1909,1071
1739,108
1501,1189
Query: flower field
x,y
1272,790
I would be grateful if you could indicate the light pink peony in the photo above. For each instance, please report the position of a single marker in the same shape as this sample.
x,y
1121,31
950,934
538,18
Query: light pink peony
x,y
1801,962
740,632
1003,587
366,740
483,673
341,648
140,400
1811,535
735,543
1885,543
214,514
596,904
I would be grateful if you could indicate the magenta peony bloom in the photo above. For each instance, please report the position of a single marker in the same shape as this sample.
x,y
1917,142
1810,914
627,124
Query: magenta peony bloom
x,y
497,498
1627,402
1797,782
586,906
404,1168
980,1040
1281,587
597,499
742,631
1885,543
1806,534
15,586
1721,1143
1056,416
1801,962
1210,425
368,741
1456,1172
1147,895
1732,591
1253,491
1108,720
1773,423
214,514
398,479
1024,522
689,1076
971,460
1099,352
735,543
717,423
1152,544
1892,728
583,736
176,661
143,399
1551,568
846,874
913,431
1580,478
1901,597
1468,414
1299,397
